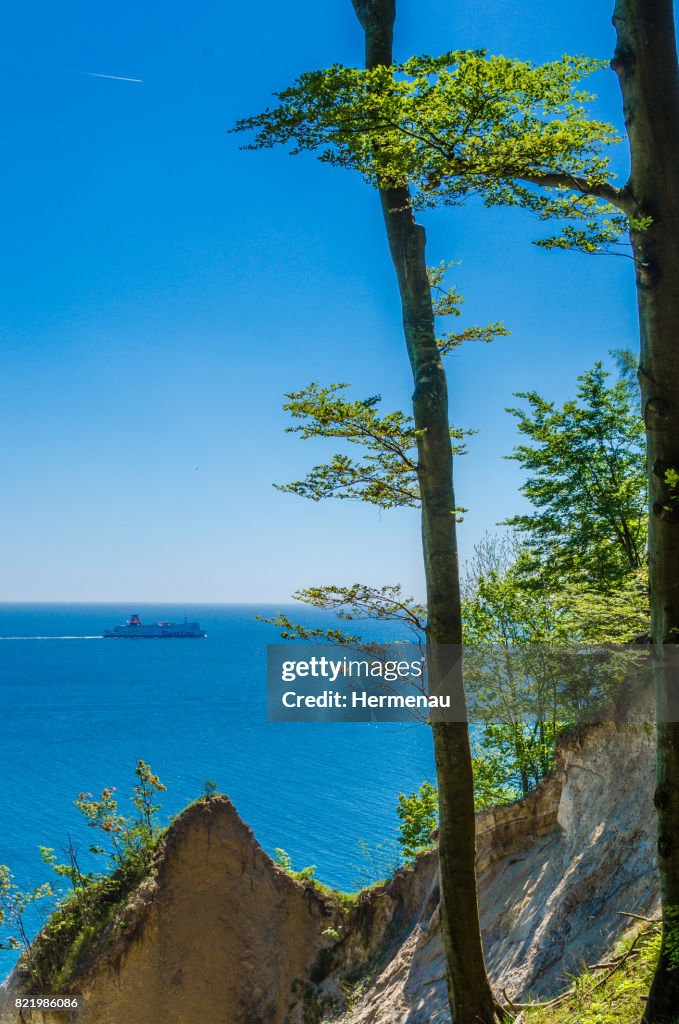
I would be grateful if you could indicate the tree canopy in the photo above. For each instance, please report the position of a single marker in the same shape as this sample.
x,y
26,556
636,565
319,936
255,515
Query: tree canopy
x,y
463,124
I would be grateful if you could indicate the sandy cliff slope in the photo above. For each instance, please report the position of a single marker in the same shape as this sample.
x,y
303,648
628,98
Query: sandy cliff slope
x,y
223,936
557,873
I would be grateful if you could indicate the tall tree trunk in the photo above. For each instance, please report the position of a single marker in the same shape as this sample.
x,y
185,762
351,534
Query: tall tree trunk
x,y
646,63
470,995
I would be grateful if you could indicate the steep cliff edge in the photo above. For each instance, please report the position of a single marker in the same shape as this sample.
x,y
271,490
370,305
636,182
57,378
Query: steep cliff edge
x,y
557,873
220,934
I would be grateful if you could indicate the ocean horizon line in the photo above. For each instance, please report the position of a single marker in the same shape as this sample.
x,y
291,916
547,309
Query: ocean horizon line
x,y
151,604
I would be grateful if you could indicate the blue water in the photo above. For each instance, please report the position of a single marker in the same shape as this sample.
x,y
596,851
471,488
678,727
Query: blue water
x,y
77,713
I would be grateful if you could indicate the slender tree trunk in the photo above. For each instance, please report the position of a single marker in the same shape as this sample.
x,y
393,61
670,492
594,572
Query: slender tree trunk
x,y
470,995
646,63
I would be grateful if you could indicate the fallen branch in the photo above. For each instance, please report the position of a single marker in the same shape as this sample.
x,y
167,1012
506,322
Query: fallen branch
x,y
512,1006
545,1006
607,964
639,917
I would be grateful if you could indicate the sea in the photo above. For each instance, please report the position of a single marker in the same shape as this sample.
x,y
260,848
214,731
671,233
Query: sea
x,y
78,711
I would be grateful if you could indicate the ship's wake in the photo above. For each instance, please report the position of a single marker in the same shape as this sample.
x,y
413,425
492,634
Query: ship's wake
x,y
99,637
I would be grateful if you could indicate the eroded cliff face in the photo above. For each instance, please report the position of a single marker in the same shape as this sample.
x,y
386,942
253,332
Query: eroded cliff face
x,y
222,935
226,935
557,873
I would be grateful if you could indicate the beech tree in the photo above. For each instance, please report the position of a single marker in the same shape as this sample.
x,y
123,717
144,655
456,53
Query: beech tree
x,y
645,61
470,995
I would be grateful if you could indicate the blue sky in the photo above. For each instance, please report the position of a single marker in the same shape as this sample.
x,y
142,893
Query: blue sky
x,y
163,289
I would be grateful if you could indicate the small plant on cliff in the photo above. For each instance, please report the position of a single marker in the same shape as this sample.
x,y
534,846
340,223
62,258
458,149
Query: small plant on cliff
x,y
72,870
284,860
378,862
306,873
132,838
419,815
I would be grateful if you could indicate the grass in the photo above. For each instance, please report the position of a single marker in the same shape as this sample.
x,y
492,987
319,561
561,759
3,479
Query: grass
x,y
610,994
336,897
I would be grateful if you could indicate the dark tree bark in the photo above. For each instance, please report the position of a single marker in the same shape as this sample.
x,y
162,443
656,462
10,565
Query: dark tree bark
x,y
471,998
646,64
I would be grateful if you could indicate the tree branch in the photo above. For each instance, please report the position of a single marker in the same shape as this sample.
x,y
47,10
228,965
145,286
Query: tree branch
x,y
619,197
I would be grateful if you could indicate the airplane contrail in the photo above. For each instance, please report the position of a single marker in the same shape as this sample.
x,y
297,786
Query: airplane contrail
x,y
94,74
117,78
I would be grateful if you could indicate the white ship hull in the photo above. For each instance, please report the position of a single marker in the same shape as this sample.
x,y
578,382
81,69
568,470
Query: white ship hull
x,y
137,630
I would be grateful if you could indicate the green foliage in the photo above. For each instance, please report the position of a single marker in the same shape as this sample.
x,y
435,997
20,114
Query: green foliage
x,y
102,814
77,923
500,603
606,616
509,675
284,860
513,754
418,813
447,302
511,597
586,481
291,630
512,758
14,904
671,481
82,925
492,787
209,788
130,837
71,871
385,474
145,790
671,936
306,873
458,125
531,667
358,602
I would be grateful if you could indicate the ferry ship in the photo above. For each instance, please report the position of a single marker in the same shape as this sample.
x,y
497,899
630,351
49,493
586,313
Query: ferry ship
x,y
135,629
